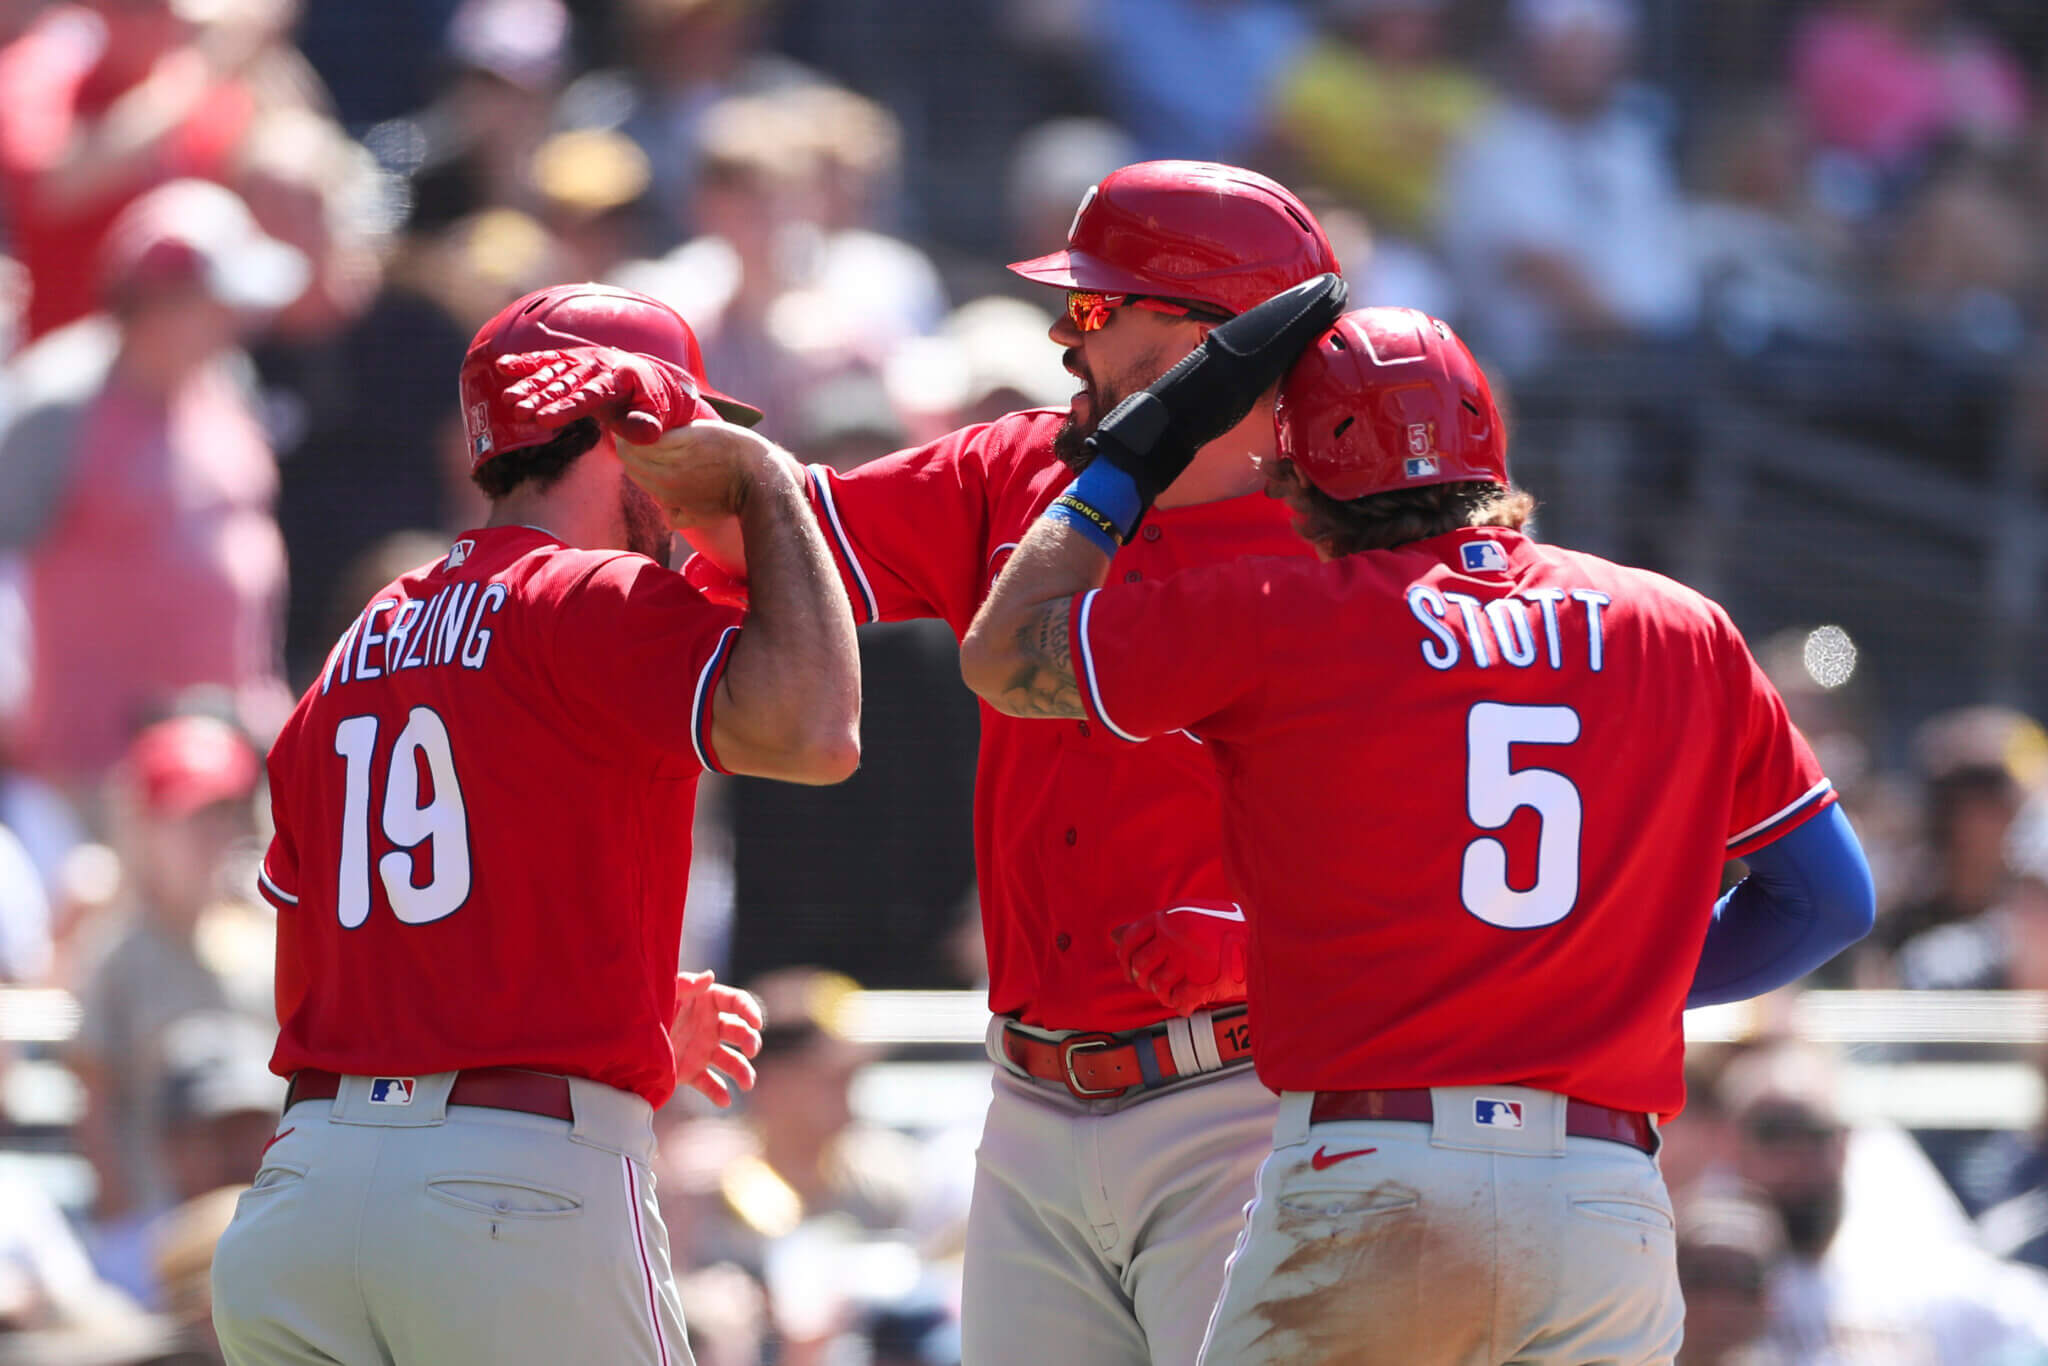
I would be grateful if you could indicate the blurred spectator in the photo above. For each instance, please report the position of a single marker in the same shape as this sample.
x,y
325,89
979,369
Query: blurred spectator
x,y
100,101
801,1111
380,58
1772,262
990,357
1880,1264
509,58
1885,80
681,58
1370,111
756,202
1964,257
727,1311
2003,1181
589,181
309,186
2007,945
184,1270
884,287
1976,764
1698,1147
219,1106
1727,1246
1053,166
1193,78
140,485
184,803
1561,215
47,1282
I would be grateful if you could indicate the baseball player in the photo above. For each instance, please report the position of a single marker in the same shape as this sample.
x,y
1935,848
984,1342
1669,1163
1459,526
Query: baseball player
x,y
482,813
1125,1123
1478,794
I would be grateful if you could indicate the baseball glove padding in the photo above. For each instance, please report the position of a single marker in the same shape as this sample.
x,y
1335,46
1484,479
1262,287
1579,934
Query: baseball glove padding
x,y
1153,435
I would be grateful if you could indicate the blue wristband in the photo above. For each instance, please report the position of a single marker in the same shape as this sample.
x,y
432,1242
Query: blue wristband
x,y
1103,503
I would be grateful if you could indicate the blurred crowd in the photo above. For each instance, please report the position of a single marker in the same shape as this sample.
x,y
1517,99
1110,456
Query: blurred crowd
x,y
246,242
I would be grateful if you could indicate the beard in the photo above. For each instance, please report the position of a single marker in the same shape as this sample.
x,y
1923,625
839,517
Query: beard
x,y
1070,442
647,531
1811,1220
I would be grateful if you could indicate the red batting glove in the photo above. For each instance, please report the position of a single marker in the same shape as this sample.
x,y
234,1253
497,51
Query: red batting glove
x,y
1188,956
638,397
716,1033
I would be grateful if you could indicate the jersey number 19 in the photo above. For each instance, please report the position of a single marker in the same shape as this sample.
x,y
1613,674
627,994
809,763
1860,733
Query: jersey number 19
x,y
407,823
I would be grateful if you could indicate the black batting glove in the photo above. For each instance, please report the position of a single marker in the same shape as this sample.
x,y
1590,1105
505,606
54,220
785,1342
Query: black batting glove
x,y
1153,435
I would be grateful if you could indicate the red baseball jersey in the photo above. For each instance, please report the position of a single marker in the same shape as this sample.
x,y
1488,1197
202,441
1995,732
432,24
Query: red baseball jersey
x,y
1479,792
1075,832
483,815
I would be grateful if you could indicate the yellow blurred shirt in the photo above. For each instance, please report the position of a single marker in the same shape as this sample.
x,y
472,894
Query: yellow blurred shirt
x,y
1377,135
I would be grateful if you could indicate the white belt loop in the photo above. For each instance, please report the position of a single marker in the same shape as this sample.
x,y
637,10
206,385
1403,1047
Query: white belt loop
x,y
1180,1040
1202,1025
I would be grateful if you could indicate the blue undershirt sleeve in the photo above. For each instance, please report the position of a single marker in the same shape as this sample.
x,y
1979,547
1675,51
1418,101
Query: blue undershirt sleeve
x,y
1808,896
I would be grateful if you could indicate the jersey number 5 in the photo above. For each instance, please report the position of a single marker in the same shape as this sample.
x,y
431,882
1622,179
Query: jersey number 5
x,y
407,823
1495,790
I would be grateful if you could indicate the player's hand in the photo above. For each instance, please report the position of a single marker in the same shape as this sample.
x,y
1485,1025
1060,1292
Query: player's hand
x,y
638,397
704,472
716,1034
1188,956
1153,435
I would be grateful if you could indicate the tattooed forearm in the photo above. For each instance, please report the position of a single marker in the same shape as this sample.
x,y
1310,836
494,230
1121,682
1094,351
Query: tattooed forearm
x,y
1043,683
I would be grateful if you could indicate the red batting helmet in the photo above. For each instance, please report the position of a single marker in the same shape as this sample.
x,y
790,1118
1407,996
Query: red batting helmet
x,y
556,319
1195,230
1389,398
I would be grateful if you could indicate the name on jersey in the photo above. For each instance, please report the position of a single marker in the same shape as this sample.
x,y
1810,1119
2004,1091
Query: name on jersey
x,y
1552,626
390,636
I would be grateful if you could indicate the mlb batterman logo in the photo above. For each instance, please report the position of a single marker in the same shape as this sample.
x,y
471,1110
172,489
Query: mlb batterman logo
x,y
1481,556
391,1090
1497,1114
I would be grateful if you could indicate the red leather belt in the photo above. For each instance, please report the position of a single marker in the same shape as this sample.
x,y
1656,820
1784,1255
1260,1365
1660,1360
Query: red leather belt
x,y
1581,1118
493,1088
1095,1066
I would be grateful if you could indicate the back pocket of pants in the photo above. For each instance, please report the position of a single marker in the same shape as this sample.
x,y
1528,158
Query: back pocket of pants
x,y
1625,1210
503,1196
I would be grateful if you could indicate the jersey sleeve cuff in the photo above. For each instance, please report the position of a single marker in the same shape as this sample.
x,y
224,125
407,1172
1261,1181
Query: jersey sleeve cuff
x,y
272,892
1079,622
858,589
1784,821
700,702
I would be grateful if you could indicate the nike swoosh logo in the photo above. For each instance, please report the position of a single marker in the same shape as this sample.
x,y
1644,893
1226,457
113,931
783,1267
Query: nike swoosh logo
x,y
1323,1158
1236,912
273,1139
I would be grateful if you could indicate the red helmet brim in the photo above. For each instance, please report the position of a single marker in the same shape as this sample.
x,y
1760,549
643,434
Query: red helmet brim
x,y
1070,269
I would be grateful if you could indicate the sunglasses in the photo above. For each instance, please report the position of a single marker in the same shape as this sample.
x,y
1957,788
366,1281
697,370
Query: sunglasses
x,y
1089,309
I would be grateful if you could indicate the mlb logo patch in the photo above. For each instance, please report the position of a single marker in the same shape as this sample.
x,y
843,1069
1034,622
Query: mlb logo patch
x,y
459,552
1497,1114
396,1090
1481,556
1421,467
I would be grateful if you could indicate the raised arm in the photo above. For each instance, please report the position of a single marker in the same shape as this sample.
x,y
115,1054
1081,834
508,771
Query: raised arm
x,y
1017,655
788,705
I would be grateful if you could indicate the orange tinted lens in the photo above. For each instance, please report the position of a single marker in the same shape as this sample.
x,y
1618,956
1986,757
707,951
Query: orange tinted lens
x,y
1088,309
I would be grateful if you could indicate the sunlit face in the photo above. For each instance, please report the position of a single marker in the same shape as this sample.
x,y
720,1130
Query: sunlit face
x,y
1130,350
